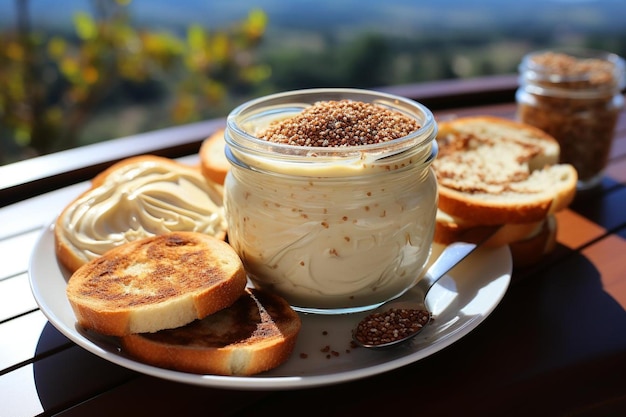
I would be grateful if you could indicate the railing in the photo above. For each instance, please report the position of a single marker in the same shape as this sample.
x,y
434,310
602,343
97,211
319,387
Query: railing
x,y
35,176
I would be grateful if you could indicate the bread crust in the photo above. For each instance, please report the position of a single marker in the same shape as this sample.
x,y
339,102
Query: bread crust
x,y
538,185
531,250
450,229
154,283
528,242
255,334
67,257
72,257
213,163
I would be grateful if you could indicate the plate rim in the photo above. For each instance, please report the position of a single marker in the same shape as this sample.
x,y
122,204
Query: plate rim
x,y
260,381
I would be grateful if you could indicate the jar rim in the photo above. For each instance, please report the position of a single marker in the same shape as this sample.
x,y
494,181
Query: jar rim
x,y
295,100
531,72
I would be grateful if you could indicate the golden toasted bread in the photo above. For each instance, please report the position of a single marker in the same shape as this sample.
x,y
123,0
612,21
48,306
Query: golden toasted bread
x,y
135,198
497,175
494,171
528,251
156,283
213,162
450,229
528,241
255,334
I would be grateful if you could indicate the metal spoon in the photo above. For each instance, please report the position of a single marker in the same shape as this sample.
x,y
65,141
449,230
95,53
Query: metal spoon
x,y
415,311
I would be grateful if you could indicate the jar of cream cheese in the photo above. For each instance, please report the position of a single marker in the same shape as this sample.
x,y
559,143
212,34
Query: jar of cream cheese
x,y
325,206
575,96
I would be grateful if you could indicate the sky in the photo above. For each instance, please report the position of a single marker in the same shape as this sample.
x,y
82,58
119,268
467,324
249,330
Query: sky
x,y
387,14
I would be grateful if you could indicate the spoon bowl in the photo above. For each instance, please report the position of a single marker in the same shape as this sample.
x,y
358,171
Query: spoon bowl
x,y
395,322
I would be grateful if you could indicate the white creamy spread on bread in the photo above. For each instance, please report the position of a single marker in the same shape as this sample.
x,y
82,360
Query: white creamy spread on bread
x,y
492,160
140,200
331,242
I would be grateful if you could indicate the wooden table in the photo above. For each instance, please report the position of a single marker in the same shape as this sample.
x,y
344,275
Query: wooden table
x,y
555,345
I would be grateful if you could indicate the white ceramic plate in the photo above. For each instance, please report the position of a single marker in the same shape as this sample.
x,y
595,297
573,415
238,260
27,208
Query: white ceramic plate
x,y
323,355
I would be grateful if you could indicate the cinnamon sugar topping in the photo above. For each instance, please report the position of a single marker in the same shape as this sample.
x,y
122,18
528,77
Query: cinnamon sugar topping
x,y
341,123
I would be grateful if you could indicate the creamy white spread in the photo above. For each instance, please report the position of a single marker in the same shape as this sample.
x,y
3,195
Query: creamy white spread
x,y
334,242
140,200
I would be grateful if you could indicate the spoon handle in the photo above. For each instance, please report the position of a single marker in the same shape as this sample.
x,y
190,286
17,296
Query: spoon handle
x,y
448,259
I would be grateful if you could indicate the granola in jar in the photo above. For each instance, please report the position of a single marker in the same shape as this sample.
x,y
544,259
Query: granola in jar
x,y
576,98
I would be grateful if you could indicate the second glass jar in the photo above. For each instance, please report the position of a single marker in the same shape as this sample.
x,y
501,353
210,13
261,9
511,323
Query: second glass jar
x,y
575,96
332,230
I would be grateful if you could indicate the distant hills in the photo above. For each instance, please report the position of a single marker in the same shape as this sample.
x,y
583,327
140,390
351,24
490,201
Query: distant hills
x,y
402,17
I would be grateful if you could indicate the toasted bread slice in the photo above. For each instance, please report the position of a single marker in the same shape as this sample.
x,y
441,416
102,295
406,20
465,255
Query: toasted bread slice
x,y
135,198
213,162
257,333
529,251
450,229
528,242
494,171
156,283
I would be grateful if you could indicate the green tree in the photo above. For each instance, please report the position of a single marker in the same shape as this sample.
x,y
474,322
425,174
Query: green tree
x,y
51,85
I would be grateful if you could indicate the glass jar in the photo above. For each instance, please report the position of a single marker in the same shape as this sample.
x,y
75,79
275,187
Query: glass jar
x,y
575,96
331,229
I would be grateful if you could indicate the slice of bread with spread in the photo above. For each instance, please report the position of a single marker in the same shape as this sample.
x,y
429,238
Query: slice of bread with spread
x,y
497,173
257,333
135,198
156,283
494,171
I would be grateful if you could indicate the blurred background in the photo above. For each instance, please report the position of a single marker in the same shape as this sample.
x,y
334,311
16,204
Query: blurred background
x,y
82,71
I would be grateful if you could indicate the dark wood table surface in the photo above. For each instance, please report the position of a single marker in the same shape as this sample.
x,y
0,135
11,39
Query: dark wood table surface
x,y
555,345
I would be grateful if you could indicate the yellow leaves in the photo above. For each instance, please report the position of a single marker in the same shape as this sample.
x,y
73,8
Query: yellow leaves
x,y
54,115
131,67
13,89
208,54
86,28
213,91
196,38
21,135
197,57
160,47
161,43
195,98
184,107
90,74
57,47
255,24
14,51
258,19
69,67
125,38
256,73
220,47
